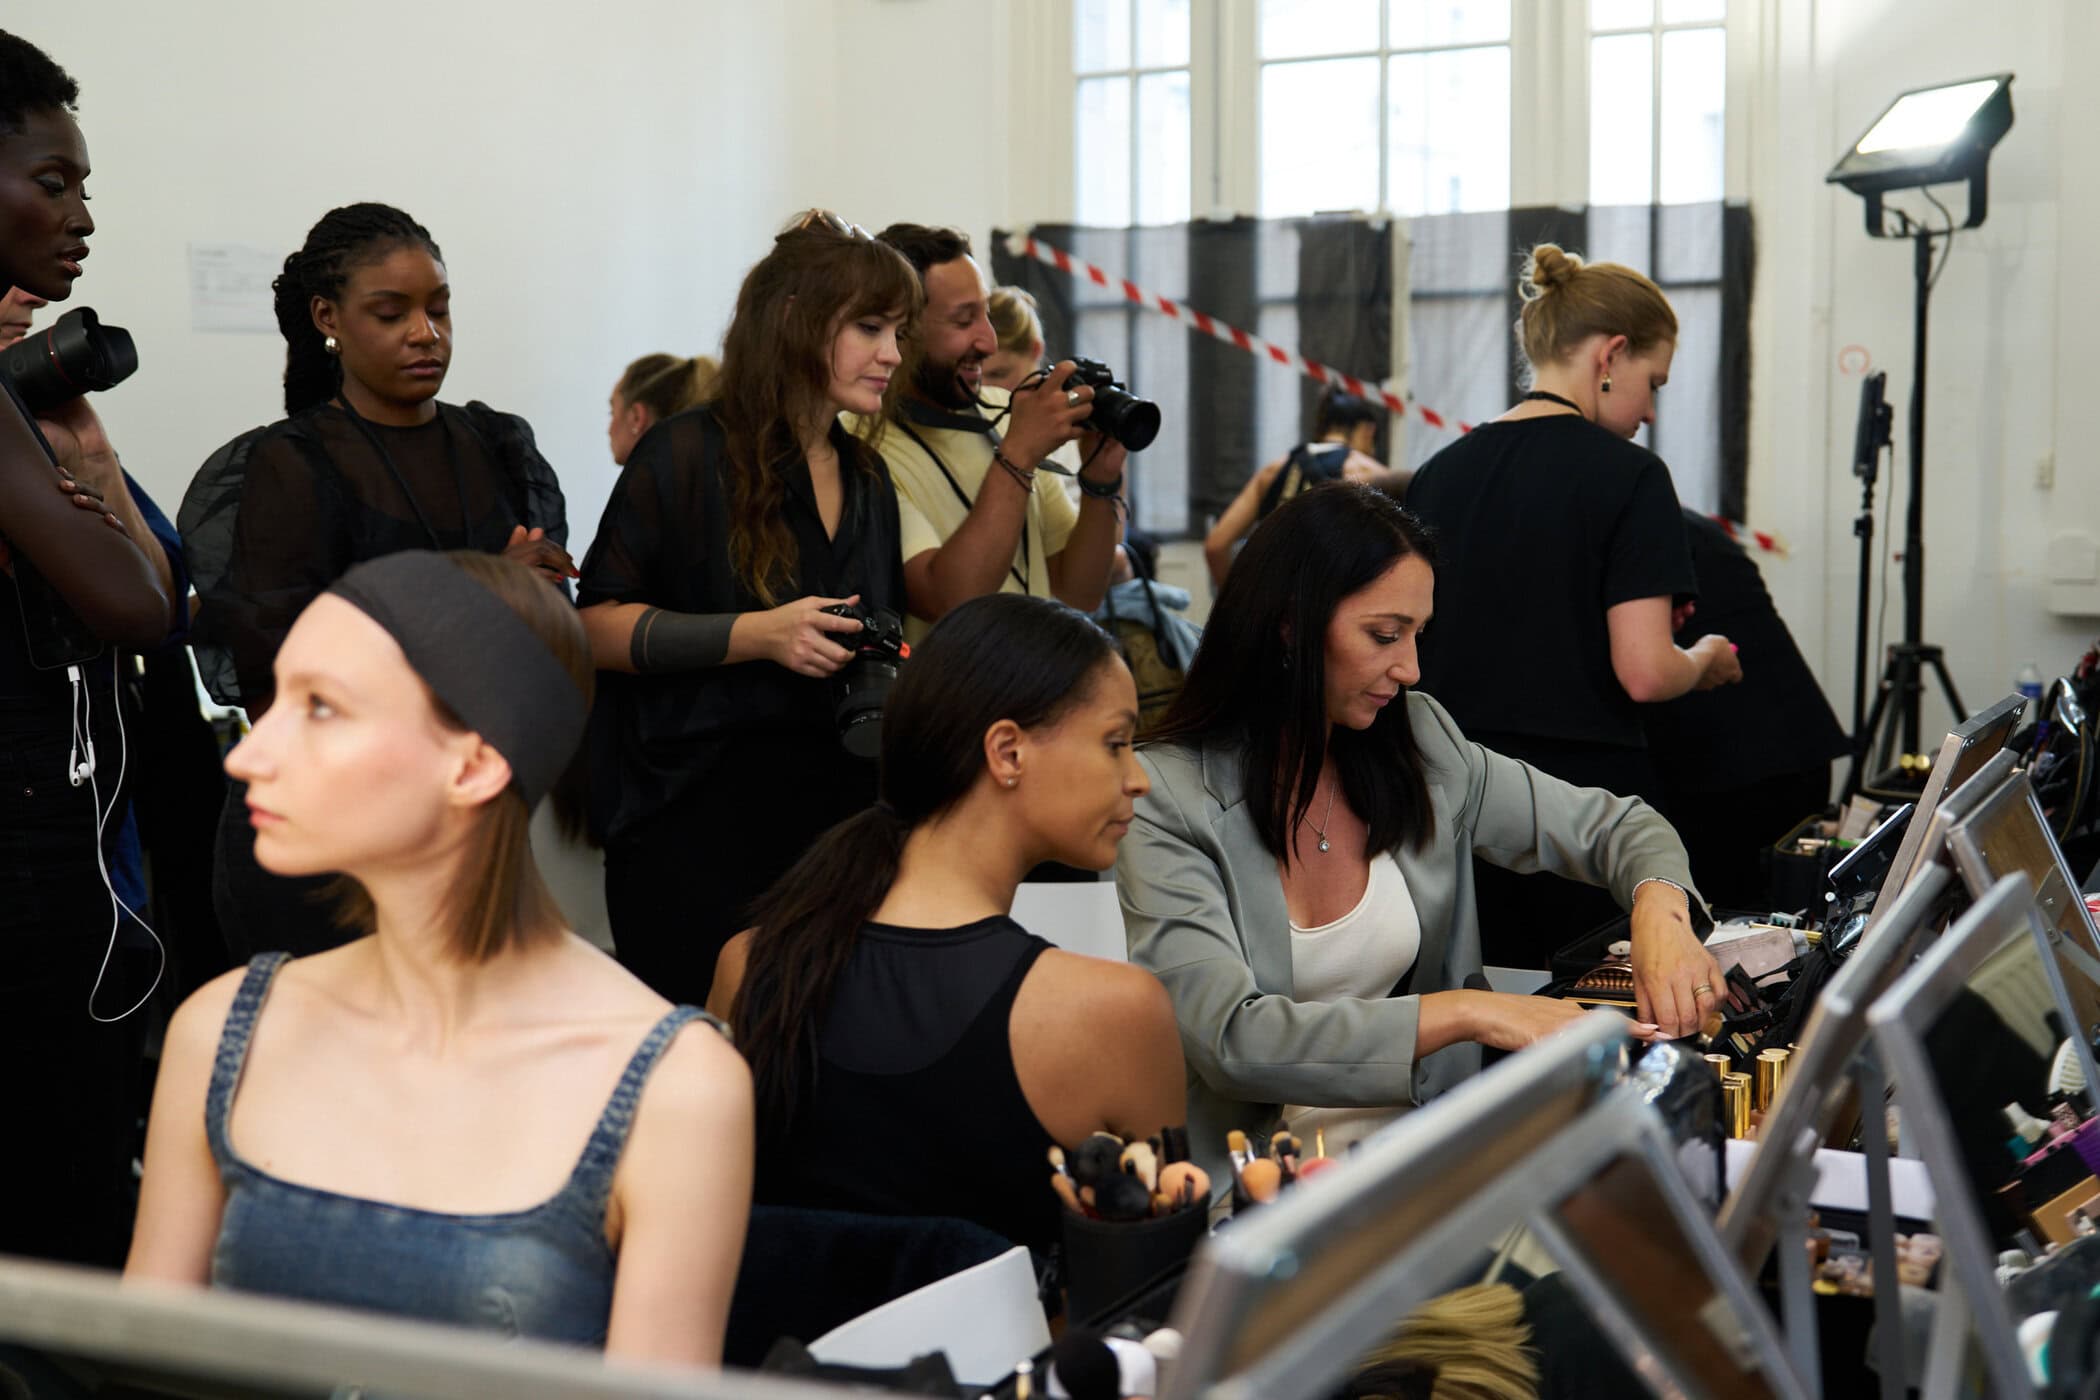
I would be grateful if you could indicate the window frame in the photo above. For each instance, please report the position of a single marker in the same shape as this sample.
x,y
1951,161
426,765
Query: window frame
x,y
1132,75
1549,60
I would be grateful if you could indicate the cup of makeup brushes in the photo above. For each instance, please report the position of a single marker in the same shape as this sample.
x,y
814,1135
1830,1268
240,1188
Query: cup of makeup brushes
x,y
1109,1263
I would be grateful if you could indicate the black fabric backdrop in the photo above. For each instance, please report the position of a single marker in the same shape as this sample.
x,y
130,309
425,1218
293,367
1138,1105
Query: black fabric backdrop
x,y
1324,287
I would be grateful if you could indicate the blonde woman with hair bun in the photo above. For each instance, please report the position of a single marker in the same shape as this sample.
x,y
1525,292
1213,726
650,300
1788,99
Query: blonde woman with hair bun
x,y
1565,566
651,390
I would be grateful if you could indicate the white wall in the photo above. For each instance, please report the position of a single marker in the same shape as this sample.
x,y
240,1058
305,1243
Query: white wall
x,y
599,178
2007,330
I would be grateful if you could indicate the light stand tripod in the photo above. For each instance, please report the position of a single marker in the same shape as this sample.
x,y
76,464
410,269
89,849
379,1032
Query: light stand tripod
x,y
1903,675
1871,439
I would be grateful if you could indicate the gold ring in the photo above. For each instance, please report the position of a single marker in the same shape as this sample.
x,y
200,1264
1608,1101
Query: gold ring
x,y
1706,987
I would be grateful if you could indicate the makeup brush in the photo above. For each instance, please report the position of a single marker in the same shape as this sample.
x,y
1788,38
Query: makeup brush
x,y
1100,1155
1183,1184
1173,1145
1319,1161
1061,1181
1122,1197
1085,1367
1236,1150
1285,1150
1262,1179
1140,1161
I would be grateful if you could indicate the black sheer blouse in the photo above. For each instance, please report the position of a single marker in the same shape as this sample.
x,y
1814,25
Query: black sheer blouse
x,y
664,541
276,516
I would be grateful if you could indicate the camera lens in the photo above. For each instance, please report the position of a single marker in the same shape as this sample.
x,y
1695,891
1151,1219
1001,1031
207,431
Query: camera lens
x,y
857,702
75,355
1124,416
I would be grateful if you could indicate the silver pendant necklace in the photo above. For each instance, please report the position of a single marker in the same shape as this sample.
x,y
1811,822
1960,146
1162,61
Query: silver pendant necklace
x,y
1320,830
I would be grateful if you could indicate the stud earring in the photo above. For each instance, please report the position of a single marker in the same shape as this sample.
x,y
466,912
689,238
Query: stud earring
x,y
1607,384
1010,782
331,346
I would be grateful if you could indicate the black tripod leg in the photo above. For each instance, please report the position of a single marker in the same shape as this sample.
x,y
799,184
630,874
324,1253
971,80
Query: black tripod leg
x,y
1939,668
1899,686
1863,742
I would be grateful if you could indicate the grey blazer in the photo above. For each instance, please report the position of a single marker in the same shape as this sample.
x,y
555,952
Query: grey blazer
x,y
1203,910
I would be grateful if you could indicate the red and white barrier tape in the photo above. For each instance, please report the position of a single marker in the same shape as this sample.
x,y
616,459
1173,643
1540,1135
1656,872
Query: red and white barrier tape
x,y
1023,245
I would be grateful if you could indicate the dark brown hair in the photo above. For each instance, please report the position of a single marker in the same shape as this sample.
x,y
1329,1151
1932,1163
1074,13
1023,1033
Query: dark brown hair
x,y
1258,685
1566,301
498,898
925,247
776,372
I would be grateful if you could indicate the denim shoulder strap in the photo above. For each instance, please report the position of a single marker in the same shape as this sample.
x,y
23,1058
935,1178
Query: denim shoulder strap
x,y
233,1048
590,1186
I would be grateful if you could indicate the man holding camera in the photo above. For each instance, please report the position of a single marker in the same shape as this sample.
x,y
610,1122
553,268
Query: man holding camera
x,y
968,456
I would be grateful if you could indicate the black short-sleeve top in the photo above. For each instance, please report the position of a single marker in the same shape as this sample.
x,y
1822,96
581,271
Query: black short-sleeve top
x,y
1543,525
664,541
276,515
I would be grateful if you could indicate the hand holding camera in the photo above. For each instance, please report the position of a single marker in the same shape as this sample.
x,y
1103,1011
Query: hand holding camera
x,y
798,635
1048,412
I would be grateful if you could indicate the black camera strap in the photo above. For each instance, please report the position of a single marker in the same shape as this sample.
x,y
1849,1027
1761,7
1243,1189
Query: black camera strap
x,y
1020,574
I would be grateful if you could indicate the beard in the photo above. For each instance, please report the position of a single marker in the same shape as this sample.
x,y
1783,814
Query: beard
x,y
942,384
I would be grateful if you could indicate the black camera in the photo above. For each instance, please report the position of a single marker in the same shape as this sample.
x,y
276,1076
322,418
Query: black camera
x,y
862,685
1120,414
73,355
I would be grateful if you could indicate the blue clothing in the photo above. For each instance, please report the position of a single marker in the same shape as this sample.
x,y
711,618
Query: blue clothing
x,y
127,864
545,1273
1159,606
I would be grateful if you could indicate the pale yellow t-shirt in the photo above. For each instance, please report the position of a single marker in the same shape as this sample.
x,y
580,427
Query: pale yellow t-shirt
x,y
934,504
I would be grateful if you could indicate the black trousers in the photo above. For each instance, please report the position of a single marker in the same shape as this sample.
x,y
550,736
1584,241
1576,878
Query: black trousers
x,y
70,1085
681,885
1525,918
1729,832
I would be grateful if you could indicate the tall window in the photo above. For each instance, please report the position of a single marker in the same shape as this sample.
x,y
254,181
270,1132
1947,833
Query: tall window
x,y
1131,132
1384,104
1658,84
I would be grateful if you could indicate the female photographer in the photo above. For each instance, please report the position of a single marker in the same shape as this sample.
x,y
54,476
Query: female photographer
x,y
1301,874
716,758
468,1115
366,462
885,986
80,575
1564,557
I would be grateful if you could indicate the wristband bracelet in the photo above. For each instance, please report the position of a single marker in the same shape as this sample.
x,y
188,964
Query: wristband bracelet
x,y
1105,490
1024,477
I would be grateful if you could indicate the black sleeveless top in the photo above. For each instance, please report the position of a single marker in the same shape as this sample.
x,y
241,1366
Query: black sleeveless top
x,y
915,1108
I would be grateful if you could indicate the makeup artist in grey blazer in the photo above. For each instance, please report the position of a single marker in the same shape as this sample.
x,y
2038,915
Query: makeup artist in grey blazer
x,y
1301,874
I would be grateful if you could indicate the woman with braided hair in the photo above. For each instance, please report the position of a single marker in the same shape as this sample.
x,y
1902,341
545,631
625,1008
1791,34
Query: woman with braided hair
x,y
365,463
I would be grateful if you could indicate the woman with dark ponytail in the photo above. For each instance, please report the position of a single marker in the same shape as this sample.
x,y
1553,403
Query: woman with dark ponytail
x,y
365,463
884,993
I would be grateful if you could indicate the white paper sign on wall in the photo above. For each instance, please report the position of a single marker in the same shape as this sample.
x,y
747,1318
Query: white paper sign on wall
x,y
230,287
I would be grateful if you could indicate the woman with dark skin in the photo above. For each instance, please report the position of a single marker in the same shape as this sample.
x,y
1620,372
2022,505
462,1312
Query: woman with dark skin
x,y
79,575
367,463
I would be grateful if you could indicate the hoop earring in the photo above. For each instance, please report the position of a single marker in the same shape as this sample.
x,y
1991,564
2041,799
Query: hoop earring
x,y
334,349
1606,386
